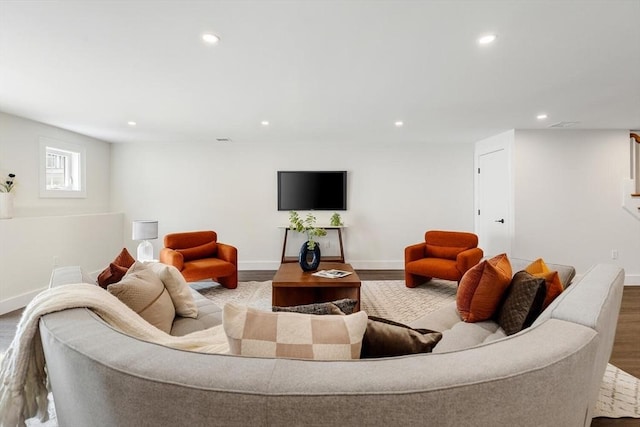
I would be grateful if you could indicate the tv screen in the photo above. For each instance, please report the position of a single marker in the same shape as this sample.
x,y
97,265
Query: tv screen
x,y
312,190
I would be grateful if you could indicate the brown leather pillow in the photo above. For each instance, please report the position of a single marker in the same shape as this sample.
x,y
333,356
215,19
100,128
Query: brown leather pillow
x,y
116,269
385,338
208,250
523,302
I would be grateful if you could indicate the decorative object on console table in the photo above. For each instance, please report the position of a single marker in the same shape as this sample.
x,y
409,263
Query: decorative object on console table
x,y
6,197
305,253
310,248
335,220
144,230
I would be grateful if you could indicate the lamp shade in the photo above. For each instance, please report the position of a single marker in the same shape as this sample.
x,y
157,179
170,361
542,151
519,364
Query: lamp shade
x,y
144,230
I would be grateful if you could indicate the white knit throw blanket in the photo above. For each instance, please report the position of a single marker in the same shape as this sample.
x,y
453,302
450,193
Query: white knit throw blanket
x,y
23,380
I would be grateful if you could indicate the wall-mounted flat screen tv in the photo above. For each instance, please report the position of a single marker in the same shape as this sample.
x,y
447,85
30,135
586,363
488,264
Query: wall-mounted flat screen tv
x,y
312,190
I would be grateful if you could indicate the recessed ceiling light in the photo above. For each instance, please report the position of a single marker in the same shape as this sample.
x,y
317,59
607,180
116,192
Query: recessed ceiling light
x,y
489,38
210,38
265,123
399,123
131,123
541,116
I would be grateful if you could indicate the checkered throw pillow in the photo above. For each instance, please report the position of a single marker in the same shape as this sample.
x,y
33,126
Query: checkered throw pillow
x,y
257,333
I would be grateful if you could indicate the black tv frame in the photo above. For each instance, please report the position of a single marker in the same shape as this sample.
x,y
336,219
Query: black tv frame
x,y
303,207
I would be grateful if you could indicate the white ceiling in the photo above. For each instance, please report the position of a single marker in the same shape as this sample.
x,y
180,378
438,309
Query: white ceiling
x,y
319,71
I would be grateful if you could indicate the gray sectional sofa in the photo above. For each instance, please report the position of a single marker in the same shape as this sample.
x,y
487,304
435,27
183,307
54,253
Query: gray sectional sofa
x,y
546,375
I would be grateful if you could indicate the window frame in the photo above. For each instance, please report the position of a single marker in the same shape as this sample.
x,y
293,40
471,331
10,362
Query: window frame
x,y
50,144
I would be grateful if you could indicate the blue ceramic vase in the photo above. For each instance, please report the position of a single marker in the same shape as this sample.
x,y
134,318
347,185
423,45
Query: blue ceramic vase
x,y
305,254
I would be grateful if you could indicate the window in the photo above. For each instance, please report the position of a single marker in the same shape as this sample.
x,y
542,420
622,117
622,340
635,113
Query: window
x,y
62,169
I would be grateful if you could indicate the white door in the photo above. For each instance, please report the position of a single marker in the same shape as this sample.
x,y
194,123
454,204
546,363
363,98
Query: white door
x,y
493,203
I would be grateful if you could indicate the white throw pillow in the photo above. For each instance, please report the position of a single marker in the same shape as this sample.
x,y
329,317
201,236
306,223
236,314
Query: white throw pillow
x,y
178,289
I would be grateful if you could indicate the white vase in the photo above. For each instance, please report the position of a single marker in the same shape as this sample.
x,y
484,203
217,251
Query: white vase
x,y
6,205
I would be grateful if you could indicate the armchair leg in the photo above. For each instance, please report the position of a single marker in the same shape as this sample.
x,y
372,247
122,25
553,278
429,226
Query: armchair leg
x,y
229,282
411,280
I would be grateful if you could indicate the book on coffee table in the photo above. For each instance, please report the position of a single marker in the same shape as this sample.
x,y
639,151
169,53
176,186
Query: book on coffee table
x,y
331,274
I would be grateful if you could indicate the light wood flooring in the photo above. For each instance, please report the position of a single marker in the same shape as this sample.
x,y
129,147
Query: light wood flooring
x,y
625,355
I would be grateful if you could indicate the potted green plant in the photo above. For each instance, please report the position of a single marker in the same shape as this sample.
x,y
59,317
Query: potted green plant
x,y
307,226
335,220
309,257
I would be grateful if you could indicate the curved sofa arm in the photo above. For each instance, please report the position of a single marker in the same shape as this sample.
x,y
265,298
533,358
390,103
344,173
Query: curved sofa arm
x,y
414,252
171,257
468,258
228,253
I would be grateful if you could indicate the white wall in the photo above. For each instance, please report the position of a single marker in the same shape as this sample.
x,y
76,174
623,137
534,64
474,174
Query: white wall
x,y
33,246
568,199
71,231
19,144
396,193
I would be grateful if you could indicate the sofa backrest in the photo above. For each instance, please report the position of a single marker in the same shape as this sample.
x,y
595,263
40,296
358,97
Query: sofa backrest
x,y
594,301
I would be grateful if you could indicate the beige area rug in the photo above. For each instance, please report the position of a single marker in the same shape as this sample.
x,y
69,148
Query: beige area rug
x,y
391,299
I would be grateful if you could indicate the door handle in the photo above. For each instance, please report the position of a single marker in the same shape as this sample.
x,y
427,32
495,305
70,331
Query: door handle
x,y
500,220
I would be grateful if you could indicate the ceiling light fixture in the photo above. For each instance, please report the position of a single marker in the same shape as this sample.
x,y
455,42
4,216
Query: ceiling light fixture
x,y
399,123
489,38
265,123
541,116
131,123
210,38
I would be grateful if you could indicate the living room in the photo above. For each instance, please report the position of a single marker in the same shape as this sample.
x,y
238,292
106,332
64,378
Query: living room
x,y
567,183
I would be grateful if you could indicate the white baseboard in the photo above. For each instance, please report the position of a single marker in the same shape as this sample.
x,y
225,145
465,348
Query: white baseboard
x,y
632,280
20,301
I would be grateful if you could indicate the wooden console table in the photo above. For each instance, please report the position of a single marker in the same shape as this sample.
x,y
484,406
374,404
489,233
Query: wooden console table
x,y
339,258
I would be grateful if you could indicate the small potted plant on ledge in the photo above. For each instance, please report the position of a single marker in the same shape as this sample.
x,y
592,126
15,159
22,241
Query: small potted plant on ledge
x,y
6,197
310,248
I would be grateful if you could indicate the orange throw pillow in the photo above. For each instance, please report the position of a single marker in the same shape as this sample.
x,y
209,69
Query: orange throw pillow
x,y
538,268
482,287
116,269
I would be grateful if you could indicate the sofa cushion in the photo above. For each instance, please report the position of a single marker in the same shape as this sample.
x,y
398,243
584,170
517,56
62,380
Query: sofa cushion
x,y
143,292
482,287
523,302
207,250
538,268
386,338
177,287
344,306
257,333
116,269
209,315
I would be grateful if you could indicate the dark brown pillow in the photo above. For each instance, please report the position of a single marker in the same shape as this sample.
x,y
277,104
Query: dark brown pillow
x,y
116,269
384,338
208,250
523,302
345,306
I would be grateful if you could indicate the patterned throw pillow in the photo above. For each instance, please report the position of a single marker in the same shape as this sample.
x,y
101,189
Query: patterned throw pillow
x,y
523,302
386,338
482,287
257,333
538,268
143,292
116,269
344,306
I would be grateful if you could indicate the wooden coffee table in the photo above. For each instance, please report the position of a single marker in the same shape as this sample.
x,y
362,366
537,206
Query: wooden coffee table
x,y
292,286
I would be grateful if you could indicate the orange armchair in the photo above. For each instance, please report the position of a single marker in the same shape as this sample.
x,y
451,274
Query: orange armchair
x,y
443,254
198,255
